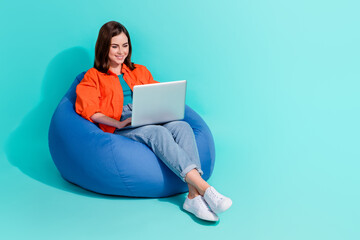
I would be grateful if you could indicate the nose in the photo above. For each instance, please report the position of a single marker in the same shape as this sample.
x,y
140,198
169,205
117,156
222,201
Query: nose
x,y
121,50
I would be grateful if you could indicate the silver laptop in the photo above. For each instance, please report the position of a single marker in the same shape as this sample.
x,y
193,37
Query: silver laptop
x,y
158,103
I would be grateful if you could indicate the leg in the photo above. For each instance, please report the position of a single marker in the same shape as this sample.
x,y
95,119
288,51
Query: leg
x,y
194,179
192,192
162,143
184,136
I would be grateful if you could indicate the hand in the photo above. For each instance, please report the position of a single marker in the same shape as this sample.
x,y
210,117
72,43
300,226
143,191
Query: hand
x,y
125,123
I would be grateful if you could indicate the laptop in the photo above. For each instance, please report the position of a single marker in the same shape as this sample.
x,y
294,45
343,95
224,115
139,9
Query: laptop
x,y
158,103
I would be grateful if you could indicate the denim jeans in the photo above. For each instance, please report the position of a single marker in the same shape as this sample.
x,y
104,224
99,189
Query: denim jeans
x,y
173,143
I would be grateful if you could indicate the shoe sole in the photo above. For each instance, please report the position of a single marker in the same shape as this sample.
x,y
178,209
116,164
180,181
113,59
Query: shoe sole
x,y
187,208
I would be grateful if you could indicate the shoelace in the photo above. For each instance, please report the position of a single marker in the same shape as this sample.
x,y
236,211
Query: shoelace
x,y
216,197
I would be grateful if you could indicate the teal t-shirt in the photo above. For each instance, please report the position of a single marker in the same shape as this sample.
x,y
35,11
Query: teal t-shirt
x,y
126,90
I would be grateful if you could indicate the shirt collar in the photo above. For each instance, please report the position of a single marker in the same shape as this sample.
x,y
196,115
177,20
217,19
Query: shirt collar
x,y
124,69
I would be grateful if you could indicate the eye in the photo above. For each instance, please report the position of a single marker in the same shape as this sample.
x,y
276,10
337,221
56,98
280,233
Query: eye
x,y
114,46
125,45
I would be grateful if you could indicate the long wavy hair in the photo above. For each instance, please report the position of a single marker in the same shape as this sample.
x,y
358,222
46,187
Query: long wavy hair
x,y
102,47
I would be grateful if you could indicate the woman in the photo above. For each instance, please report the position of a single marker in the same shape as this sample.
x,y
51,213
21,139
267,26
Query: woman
x,y
104,97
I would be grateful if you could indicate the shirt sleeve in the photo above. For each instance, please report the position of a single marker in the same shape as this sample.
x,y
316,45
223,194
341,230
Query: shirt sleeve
x,y
87,96
148,77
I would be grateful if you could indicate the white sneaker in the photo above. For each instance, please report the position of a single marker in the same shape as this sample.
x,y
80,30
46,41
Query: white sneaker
x,y
200,209
218,203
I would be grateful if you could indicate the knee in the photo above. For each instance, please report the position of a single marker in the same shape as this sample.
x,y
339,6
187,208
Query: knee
x,y
181,125
156,131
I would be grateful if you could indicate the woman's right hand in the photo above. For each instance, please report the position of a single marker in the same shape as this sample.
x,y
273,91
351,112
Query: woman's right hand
x,y
103,119
125,123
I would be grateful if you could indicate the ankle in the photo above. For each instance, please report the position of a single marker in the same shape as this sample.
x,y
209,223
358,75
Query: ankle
x,y
203,189
192,195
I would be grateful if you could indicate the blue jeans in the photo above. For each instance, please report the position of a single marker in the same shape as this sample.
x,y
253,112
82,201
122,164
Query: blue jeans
x,y
173,143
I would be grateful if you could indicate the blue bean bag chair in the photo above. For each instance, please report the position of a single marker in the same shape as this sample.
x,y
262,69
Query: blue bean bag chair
x,y
115,165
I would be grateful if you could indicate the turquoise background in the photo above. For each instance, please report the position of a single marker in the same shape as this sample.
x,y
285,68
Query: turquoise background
x,y
276,81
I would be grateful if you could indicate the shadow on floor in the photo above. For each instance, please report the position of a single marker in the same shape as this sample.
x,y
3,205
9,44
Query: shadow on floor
x,y
27,146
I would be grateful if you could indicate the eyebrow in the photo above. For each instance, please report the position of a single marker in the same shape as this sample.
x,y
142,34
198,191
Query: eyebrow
x,y
118,44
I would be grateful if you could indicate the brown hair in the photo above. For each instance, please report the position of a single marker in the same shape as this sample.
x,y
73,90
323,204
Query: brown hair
x,y
102,47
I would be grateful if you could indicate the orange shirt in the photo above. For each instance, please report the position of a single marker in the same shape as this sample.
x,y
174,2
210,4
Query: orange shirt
x,y
102,92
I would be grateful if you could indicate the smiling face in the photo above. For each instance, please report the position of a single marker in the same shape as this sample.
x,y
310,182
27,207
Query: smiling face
x,y
119,50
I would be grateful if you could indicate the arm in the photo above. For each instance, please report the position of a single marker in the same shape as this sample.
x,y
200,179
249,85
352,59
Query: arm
x,y
88,104
103,119
87,96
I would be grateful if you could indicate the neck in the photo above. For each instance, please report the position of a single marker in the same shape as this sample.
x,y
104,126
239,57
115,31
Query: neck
x,y
116,69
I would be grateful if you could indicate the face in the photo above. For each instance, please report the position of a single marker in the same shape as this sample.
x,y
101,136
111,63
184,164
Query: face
x,y
119,49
